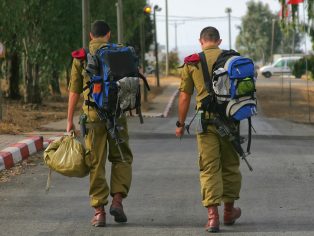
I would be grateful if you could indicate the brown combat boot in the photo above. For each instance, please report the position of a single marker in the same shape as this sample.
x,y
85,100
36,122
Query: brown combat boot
x,y
213,219
99,219
231,214
116,209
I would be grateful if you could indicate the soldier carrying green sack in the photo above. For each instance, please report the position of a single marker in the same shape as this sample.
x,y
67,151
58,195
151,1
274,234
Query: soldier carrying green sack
x,y
99,141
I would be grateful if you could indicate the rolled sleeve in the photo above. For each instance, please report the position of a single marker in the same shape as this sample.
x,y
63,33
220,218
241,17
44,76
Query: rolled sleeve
x,y
187,84
76,81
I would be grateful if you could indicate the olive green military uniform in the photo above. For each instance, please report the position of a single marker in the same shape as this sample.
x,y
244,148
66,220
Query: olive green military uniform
x,y
98,140
219,163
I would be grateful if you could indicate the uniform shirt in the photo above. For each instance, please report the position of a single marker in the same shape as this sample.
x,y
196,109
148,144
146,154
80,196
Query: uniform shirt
x,y
192,75
79,78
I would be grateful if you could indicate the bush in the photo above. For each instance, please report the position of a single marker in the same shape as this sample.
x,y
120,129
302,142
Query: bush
x,y
174,62
299,67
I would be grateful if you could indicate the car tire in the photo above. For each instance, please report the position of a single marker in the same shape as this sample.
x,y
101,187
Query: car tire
x,y
267,74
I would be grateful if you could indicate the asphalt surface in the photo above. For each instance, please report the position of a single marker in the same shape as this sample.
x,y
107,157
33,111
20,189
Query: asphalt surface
x,y
276,198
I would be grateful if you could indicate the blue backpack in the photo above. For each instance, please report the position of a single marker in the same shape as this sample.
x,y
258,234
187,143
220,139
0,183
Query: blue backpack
x,y
233,83
114,81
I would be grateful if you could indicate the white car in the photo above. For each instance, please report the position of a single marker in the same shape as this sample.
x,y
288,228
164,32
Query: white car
x,y
281,66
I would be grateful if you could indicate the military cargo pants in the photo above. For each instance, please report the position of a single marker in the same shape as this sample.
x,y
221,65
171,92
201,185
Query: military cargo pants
x,y
97,142
220,176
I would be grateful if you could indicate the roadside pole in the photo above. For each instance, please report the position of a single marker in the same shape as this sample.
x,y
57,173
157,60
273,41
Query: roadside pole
x,y
306,65
142,29
156,8
228,11
2,55
272,39
0,103
85,22
119,7
167,40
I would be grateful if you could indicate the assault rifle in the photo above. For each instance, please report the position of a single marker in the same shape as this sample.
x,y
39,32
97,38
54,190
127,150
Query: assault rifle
x,y
113,128
111,125
225,130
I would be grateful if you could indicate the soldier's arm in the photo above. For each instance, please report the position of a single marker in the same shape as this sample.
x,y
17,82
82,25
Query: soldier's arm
x,y
186,91
73,100
75,89
184,104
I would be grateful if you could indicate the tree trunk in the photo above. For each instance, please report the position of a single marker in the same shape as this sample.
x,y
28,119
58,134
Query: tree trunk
x,y
0,104
54,82
14,92
36,85
28,80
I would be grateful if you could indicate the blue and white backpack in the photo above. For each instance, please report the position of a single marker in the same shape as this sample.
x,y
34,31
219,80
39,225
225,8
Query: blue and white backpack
x,y
114,81
233,83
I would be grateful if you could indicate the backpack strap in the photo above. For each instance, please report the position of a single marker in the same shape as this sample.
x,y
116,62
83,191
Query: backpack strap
x,y
248,150
144,80
223,57
140,115
206,75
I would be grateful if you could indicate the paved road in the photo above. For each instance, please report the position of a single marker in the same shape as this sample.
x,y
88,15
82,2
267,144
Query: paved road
x,y
277,198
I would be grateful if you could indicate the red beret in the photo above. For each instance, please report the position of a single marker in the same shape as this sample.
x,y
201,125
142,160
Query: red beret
x,y
192,59
79,54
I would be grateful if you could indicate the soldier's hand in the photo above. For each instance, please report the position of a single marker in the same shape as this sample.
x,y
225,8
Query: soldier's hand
x,y
70,126
179,132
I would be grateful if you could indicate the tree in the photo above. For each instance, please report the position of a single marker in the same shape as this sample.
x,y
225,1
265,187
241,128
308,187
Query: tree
x,y
294,24
39,36
9,28
173,62
67,37
132,16
255,37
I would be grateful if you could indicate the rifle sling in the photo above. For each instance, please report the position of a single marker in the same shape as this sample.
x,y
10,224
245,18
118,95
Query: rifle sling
x,y
249,135
206,74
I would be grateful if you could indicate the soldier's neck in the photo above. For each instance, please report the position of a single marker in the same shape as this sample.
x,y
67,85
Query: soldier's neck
x,y
209,45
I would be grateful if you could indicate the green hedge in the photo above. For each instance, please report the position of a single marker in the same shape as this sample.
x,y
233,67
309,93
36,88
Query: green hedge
x,y
299,67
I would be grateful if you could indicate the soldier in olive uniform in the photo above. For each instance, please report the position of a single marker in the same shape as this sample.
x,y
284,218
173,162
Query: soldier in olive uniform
x,y
220,176
98,141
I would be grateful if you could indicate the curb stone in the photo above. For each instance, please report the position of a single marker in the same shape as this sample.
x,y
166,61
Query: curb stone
x,y
170,103
49,140
19,151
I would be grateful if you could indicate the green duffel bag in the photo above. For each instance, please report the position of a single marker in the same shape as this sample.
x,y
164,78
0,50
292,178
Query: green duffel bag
x,y
66,156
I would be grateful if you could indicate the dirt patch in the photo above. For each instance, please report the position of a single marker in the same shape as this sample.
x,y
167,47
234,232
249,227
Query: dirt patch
x,y
285,100
20,118
21,167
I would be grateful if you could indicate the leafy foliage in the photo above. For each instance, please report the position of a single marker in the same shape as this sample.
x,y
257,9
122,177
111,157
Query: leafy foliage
x,y
132,17
255,37
307,26
44,33
173,62
255,34
299,68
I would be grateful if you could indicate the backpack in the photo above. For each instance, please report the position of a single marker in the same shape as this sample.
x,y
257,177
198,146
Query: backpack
x,y
114,81
231,87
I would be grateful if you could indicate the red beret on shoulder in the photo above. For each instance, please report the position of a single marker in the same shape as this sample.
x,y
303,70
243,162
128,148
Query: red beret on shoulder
x,y
192,59
79,54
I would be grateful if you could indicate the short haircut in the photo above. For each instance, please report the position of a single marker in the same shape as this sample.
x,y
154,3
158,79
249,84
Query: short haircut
x,y
210,34
100,28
